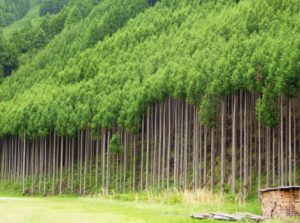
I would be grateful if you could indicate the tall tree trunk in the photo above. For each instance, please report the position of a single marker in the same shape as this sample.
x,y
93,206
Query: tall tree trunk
x,y
97,164
163,147
45,165
67,160
295,142
148,148
124,164
205,156
24,153
32,167
245,150
108,163
61,164
290,141
200,155
259,154
103,159
281,143
72,166
233,158
154,163
54,164
212,156
81,158
250,150
176,147
90,157
241,141
142,155
222,146
134,164
159,145
40,164
196,154
273,156
169,145
268,158
85,160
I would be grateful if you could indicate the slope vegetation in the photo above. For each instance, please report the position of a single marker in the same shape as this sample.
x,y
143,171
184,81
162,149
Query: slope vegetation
x,y
93,63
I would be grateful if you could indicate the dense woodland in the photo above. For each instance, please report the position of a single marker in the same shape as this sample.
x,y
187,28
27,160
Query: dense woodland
x,y
13,10
100,96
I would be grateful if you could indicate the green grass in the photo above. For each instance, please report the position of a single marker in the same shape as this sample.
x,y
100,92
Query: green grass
x,y
92,210
104,210
134,208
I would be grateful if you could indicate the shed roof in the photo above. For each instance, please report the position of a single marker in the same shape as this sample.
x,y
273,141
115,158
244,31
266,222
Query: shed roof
x,y
279,188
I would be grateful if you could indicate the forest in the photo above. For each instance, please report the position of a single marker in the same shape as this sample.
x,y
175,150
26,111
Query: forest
x,y
137,95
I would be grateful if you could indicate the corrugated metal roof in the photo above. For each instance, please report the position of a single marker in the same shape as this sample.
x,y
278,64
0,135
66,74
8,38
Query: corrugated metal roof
x,y
279,188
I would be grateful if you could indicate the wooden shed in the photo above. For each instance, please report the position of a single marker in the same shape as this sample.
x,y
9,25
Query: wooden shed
x,y
281,201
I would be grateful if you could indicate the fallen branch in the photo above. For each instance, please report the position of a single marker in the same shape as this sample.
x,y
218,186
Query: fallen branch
x,y
228,217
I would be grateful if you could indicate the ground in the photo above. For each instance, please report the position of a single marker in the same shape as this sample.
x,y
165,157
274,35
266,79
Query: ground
x,y
90,210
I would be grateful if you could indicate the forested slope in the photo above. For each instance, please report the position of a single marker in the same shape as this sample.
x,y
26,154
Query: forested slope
x,y
91,68
13,10
104,69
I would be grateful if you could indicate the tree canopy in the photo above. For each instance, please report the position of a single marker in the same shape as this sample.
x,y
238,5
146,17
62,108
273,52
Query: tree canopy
x,y
92,64
13,10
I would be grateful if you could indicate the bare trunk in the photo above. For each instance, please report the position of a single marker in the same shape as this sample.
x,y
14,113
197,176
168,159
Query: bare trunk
x,y
268,158
61,164
108,163
205,156
273,157
245,151
103,159
233,173
142,156
24,153
290,141
148,148
259,155
169,145
134,163
212,156
54,164
97,164
281,143
295,144
222,146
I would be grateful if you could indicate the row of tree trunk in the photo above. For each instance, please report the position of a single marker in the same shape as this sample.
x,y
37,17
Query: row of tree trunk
x,y
172,150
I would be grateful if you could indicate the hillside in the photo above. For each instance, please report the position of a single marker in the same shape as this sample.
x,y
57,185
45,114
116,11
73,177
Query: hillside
x,y
13,10
178,81
110,64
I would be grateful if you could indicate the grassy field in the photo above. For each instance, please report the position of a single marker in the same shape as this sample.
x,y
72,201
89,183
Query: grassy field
x,y
106,210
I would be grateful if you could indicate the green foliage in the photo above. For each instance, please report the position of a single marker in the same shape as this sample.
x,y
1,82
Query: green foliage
x,y
115,145
266,108
8,56
52,6
118,14
12,10
208,111
92,64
